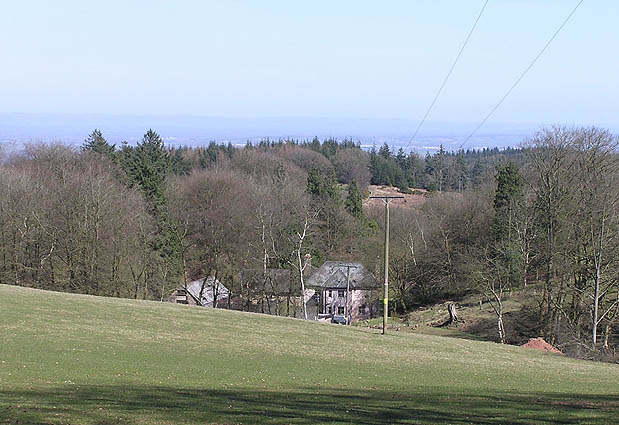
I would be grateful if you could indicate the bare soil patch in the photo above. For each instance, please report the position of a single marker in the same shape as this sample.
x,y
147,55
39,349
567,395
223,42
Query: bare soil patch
x,y
415,199
540,344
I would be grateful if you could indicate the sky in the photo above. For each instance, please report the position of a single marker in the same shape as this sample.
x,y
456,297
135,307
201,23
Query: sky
x,y
319,58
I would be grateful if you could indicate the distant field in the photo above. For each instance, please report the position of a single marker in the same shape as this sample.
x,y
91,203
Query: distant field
x,y
74,359
415,199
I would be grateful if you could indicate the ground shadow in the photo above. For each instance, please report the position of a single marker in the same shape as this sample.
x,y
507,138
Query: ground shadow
x,y
520,326
130,404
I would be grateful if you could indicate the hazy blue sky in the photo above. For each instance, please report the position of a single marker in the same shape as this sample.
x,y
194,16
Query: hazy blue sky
x,y
310,58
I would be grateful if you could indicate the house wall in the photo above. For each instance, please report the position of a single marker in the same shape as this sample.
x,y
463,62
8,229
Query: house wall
x,y
315,304
362,303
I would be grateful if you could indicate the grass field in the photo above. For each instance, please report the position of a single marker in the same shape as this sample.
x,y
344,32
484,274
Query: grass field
x,y
88,360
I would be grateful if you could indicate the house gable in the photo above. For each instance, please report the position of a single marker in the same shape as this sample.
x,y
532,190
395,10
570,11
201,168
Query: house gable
x,y
332,274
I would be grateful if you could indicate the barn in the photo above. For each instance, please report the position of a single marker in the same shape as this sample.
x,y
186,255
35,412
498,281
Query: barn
x,y
206,292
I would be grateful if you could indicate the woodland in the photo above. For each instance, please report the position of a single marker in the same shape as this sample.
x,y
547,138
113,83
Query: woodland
x,y
136,221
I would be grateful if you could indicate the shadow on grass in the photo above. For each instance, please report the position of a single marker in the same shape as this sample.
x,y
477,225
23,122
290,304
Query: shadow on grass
x,y
521,325
450,333
130,404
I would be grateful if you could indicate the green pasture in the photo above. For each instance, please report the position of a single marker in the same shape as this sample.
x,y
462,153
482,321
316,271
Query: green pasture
x,y
76,359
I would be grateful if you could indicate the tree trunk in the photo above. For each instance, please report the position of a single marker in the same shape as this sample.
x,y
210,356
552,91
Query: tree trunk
x,y
302,283
606,336
453,315
596,298
501,328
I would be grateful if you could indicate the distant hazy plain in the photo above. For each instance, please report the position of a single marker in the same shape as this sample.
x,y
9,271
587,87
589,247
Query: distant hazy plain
x,y
195,130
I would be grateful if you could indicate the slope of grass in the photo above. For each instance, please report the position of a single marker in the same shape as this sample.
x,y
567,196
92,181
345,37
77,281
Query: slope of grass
x,y
519,317
89,360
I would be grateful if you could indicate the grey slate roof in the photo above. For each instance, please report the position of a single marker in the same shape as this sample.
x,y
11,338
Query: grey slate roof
x,y
207,293
332,274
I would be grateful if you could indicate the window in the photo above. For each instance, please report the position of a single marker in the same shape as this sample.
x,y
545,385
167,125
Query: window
x,y
340,293
329,309
362,309
340,310
330,294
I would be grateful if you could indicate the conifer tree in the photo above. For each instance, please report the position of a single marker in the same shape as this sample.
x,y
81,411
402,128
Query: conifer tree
x,y
178,164
147,166
354,201
510,185
95,142
384,151
322,186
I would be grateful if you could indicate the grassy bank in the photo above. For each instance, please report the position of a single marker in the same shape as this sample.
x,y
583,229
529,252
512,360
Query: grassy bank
x,y
89,360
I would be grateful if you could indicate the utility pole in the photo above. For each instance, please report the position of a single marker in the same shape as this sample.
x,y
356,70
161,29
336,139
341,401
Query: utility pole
x,y
348,267
386,199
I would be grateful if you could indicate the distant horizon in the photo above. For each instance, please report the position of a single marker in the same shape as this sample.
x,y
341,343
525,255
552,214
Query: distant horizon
x,y
195,130
258,117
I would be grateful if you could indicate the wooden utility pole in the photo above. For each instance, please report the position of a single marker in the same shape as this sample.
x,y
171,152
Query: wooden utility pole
x,y
348,267
387,199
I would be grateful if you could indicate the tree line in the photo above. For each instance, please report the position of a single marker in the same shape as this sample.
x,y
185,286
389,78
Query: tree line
x,y
139,220
549,221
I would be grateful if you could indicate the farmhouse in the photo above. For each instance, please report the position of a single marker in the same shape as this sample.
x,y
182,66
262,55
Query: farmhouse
x,y
276,291
207,292
343,288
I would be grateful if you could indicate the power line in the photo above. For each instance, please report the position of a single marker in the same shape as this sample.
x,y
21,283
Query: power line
x,y
438,93
521,75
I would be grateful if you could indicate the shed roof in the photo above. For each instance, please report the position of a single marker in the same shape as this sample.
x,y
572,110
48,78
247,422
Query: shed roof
x,y
211,287
332,274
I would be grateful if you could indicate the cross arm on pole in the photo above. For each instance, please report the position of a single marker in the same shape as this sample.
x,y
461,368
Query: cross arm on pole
x,y
387,198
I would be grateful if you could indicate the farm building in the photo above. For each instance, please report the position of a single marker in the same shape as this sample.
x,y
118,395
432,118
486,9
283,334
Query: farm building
x,y
331,297
277,291
207,292
271,291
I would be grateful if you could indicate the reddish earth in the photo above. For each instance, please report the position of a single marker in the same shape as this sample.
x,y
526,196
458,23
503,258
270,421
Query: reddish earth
x,y
540,344
411,200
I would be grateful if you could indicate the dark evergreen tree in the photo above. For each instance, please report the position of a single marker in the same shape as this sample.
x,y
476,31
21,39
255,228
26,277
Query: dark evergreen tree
x,y
354,200
315,145
147,166
384,151
509,209
321,185
436,167
95,142
510,186
211,152
230,150
401,158
178,165
329,147
401,182
314,182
